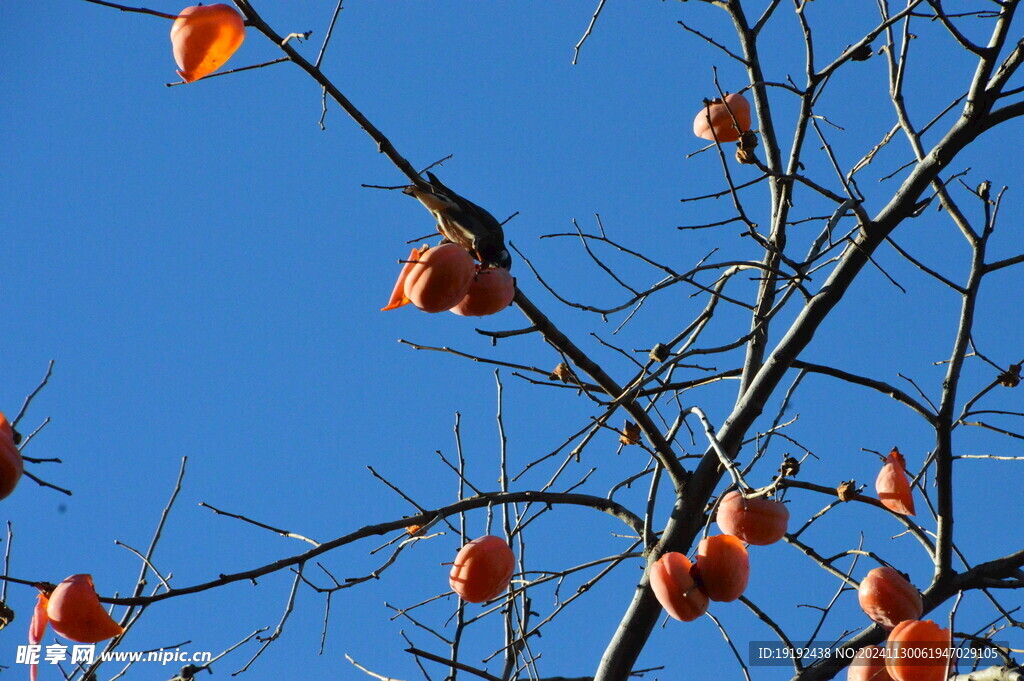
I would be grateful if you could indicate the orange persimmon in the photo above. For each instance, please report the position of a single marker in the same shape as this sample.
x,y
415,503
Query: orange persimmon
x,y
722,567
675,588
39,620
490,291
204,37
715,119
868,665
11,463
918,651
398,298
37,628
439,278
757,521
888,598
893,485
75,612
5,427
483,568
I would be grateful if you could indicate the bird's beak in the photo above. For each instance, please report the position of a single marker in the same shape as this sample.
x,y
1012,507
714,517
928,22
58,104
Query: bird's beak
x,y
431,201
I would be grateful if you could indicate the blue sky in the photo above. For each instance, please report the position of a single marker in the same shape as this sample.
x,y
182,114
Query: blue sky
x,y
205,269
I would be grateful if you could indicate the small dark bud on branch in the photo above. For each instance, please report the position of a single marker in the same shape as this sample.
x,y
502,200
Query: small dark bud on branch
x,y
1011,377
862,53
789,468
659,353
630,434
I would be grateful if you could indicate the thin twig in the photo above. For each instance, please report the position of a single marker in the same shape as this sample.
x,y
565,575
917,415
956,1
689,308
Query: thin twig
x,y
586,34
137,10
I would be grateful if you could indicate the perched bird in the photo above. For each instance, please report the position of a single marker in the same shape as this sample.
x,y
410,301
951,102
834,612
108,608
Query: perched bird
x,y
462,222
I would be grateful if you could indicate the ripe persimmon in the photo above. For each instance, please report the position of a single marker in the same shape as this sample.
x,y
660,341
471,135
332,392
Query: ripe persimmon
x,y
439,278
893,485
888,598
5,427
11,463
868,665
490,291
75,612
39,620
918,650
398,298
483,568
37,628
757,521
715,119
675,588
722,567
204,37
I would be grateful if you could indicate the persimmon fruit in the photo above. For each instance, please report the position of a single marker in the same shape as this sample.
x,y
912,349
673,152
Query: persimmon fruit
x,y
5,427
722,568
868,665
11,463
715,120
757,521
439,278
39,620
918,650
483,568
675,588
888,598
490,291
893,485
75,612
204,37
37,628
398,298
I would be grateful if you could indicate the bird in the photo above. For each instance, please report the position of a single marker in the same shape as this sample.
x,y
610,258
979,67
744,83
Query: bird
x,y
462,222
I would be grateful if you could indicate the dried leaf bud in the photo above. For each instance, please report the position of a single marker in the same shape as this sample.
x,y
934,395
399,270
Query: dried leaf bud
x,y
562,372
659,353
6,615
789,468
746,157
1011,377
630,434
847,490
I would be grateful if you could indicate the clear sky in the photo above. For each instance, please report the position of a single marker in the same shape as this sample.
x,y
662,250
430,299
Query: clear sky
x,y
205,269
